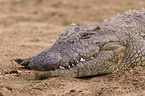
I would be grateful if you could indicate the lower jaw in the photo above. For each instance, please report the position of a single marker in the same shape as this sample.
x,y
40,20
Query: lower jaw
x,y
80,70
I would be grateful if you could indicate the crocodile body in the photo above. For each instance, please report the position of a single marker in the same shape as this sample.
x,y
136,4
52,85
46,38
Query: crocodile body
x,y
94,49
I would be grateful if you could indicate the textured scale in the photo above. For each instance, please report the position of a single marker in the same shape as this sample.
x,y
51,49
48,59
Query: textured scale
x,y
94,49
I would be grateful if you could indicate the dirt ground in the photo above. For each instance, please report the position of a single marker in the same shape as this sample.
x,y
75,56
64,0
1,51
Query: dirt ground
x,y
27,27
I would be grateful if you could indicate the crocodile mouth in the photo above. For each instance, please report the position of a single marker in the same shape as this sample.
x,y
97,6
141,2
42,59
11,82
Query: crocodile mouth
x,y
26,63
71,65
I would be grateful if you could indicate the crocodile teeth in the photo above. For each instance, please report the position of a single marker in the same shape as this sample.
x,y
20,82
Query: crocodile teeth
x,y
72,65
82,59
69,66
60,67
92,57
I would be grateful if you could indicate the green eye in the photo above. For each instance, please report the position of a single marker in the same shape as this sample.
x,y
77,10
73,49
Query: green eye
x,y
87,35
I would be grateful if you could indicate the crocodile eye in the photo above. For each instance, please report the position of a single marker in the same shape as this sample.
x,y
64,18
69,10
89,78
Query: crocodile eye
x,y
87,35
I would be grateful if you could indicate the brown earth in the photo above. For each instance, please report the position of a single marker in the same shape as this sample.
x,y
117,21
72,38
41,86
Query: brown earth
x,y
27,27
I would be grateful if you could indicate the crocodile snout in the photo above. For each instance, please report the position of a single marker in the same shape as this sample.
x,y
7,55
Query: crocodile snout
x,y
45,61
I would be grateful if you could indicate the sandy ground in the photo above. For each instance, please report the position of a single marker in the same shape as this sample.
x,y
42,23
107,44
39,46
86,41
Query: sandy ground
x,y
27,27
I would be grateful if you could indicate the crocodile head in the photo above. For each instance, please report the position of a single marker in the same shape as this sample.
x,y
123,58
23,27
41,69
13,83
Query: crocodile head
x,y
74,46
75,53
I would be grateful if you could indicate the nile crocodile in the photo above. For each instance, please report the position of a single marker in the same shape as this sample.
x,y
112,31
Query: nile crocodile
x,y
94,49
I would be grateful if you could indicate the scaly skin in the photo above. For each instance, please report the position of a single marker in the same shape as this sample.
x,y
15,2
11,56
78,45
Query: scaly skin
x,y
94,49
